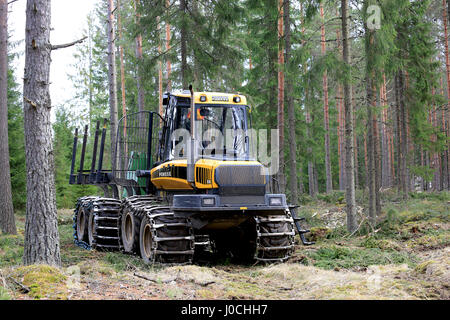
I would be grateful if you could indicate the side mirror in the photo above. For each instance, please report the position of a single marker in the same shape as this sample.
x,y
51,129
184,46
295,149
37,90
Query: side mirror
x,y
204,112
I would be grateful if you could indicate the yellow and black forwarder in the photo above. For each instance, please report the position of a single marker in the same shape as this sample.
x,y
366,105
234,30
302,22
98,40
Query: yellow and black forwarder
x,y
181,184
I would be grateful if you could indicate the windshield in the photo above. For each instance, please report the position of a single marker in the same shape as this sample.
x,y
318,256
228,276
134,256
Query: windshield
x,y
221,130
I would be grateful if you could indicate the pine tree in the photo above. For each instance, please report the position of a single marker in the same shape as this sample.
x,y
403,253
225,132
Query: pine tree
x,y
7,221
348,106
41,226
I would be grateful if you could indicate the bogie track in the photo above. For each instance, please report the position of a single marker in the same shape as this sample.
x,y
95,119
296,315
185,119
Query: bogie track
x,y
95,219
274,238
148,227
145,225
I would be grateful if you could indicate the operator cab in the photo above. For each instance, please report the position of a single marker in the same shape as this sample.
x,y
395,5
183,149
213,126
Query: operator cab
x,y
222,126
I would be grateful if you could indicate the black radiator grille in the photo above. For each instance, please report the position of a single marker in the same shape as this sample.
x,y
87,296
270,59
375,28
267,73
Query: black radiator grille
x,y
240,175
203,175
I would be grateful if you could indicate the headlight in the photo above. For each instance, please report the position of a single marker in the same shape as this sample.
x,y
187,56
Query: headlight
x,y
208,202
276,201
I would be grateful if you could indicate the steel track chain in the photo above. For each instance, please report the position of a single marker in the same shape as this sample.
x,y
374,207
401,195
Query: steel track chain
x,y
105,213
274,238
133,204
163,225
80,203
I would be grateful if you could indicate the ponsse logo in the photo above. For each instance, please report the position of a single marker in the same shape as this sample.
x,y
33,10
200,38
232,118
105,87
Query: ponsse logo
x,y
164,172
220,98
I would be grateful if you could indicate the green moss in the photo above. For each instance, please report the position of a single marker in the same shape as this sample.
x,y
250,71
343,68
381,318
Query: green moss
x,y
346,258
422,267
174,293
45,282
333,197
4,295
120,262
245,290
319,233
384,244
429,240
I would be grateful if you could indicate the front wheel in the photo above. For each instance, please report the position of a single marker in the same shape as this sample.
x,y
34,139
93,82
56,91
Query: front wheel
x,y
146,241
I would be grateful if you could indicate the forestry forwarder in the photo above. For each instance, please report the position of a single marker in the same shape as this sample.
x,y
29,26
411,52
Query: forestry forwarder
x,y
175,203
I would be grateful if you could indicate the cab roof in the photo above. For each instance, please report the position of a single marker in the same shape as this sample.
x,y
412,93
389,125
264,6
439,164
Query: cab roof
x,y
212,97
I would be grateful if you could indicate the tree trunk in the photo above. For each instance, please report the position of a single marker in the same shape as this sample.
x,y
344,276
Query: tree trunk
x,y
290,105
404,138
349,136
355,141
183,43
7,221
371,178
168,62
447,63
112,81
341,121
41,225
376,154
326,121
160,71
398,139
122,74
139,56
280,117
371,105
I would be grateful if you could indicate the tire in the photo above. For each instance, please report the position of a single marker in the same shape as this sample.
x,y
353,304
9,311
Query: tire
x,y
91,231
284,242
129,232
166,239
146,241
82,224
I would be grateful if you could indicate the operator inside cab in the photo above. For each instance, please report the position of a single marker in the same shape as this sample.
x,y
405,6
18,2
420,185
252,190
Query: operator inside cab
x,y
221,129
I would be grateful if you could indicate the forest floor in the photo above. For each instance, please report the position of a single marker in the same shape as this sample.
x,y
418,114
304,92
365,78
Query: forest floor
x,y
407,256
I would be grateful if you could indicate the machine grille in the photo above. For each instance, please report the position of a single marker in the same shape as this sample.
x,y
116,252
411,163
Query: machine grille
x,y
240,175
203,175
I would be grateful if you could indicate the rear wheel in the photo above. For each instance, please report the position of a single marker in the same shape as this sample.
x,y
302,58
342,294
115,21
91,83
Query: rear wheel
x,y
101,216
130,230
81,230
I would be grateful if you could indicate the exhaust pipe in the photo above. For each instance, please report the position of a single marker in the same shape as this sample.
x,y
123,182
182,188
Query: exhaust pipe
x,y
191,152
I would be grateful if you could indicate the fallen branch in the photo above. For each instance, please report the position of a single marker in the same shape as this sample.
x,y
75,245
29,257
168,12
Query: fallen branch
x,y
155,280
23,288
66,45
204,284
